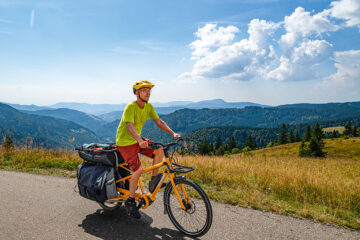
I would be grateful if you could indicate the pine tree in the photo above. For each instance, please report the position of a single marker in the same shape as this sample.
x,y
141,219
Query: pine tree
x,y
283,139
334,134
303,150
318,133
315,147
355,131
218,143
211,148
307,135
291,137
204,148
297,137
232,143
250,143
348,129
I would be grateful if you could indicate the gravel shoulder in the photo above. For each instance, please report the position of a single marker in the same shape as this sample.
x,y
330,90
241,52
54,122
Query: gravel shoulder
x,y
46,207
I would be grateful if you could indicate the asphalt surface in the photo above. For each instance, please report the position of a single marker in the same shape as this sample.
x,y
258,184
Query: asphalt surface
x,y
46,207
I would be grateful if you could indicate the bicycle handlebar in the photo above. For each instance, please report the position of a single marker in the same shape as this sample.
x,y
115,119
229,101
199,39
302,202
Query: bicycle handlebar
x,y
155,145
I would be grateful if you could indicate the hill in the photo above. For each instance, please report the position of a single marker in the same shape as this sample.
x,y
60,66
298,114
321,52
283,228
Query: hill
x,y
334,147
262,136
44,131
31,107
299,115
96,109
86,120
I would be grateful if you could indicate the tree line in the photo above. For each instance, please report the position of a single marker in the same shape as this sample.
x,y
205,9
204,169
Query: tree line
x,y
312,143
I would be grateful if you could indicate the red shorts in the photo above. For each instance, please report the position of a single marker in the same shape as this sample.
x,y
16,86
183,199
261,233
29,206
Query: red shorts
x,y
130,154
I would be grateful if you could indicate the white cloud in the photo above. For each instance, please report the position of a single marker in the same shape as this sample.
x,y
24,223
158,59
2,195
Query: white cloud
x,y
303,62
184,78
300,24
348,70
32,17
210,36
299,54
219,56
348,10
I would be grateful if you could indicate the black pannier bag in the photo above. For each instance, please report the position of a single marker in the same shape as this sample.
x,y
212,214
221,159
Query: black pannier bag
x,y
106,154
97,174
96,182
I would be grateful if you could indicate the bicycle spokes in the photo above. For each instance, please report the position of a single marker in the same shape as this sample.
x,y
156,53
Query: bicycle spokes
x,y
194,219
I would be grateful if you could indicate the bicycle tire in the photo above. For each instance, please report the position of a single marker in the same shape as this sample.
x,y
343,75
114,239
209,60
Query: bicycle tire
x,y
110,206
199,202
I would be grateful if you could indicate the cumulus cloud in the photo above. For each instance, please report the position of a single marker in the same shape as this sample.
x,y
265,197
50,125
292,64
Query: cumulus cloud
x,y
300,24
209,37
219,56
348,10
347,75
303,61
296,55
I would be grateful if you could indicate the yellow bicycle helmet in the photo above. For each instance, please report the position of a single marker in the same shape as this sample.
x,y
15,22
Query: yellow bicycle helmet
x,y
142,84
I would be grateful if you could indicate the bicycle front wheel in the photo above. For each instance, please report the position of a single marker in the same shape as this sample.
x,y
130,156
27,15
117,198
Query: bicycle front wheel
x,y
196,219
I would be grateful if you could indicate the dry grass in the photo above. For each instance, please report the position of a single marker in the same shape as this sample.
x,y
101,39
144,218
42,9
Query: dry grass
x,y
335,148
340,129
63,163
274,179
325,189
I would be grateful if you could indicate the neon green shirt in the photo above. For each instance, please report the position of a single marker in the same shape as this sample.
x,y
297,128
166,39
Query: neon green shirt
x,y
133,113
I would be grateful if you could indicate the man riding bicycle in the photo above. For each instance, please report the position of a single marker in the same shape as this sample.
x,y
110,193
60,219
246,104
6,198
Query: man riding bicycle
x,y
130,143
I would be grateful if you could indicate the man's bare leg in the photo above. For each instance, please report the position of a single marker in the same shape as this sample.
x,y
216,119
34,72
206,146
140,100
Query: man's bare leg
x,y
134,181
158,157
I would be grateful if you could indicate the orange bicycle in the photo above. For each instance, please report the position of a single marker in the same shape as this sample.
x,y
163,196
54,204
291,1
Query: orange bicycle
x,y
185,202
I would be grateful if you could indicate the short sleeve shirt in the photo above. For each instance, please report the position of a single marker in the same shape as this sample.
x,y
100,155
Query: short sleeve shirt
x,y
133,113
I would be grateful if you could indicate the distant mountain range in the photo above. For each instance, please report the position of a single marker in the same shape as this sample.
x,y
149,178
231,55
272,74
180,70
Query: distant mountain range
x,y
86,120
42,131
163,108
187,120
66,128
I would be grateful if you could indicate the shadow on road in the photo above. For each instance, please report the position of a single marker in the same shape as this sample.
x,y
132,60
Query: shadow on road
x,y
117,225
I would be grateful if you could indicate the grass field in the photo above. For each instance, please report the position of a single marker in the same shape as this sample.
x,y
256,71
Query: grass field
x,y
340,129
335,148
274,179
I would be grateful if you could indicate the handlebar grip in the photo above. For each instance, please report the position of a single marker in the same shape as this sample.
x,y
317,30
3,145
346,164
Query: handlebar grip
x,y
153,145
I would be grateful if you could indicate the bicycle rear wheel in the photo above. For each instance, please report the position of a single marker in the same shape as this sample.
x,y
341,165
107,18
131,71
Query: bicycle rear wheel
x,y
196,219
110,205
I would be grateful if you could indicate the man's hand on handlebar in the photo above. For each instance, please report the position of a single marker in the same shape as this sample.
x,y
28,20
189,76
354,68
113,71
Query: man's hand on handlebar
x,y
176,135
144,144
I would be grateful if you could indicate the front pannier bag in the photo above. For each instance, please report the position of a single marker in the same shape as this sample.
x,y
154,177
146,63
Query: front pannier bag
x,y
96,182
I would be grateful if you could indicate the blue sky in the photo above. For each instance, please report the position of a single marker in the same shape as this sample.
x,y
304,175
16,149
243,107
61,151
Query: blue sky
x,y
267,51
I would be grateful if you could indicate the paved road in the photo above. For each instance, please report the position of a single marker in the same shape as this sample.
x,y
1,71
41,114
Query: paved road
x,y
46,207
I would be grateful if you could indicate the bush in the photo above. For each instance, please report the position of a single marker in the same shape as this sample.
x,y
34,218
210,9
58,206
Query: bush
x,y
235,151
220,151
246,149
271,144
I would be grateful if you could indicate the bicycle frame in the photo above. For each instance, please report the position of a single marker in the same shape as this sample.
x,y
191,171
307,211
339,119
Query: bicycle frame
x,y
146,199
